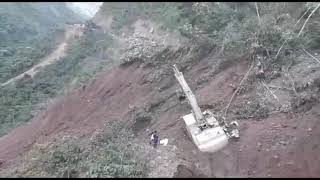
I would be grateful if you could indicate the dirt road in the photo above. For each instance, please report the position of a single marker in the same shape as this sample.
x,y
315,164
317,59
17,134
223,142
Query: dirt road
x,y
70,33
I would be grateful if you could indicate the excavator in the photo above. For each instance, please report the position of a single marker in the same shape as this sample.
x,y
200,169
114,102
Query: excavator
x,y
206,132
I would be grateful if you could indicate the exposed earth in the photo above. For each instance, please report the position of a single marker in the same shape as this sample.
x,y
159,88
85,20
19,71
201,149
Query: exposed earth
x,y
279,145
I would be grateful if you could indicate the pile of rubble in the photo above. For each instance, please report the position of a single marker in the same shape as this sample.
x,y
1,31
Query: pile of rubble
x,y
140,47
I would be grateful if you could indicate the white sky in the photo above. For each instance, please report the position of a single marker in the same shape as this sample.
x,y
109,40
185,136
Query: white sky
x,y
88,9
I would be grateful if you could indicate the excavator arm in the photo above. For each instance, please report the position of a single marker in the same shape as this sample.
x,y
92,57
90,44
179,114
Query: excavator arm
x,y
206,132
190,96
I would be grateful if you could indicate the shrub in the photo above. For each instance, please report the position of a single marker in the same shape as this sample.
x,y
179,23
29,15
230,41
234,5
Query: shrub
x,y
111,153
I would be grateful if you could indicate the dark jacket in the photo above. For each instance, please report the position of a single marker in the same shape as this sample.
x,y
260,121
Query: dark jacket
x,y
156,138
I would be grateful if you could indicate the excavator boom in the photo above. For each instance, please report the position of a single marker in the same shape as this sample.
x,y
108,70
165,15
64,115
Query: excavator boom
x,y
204,129
190,96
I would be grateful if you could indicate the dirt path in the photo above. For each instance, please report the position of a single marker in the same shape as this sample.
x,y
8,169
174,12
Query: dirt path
x,y
57,54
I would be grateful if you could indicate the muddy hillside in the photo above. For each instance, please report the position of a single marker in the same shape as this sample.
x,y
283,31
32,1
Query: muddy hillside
x,y
274,100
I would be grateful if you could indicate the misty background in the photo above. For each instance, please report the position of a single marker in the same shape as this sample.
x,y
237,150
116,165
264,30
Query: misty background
x,y
85,9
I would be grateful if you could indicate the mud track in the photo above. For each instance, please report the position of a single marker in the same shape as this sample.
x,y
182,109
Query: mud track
x,y
57,54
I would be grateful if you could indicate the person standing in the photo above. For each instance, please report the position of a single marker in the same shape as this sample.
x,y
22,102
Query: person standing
x,y
155,139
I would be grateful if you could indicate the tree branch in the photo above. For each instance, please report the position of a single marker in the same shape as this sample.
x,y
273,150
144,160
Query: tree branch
x,y
308,18
235,92
294,27
302,16
258,13
280,49
271,92
311,56
268,53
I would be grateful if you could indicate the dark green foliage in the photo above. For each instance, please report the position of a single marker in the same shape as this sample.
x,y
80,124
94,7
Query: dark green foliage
x,y
233,27
110,153
25,56
29,32
17,100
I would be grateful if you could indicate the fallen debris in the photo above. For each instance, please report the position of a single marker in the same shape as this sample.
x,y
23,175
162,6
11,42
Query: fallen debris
x,y
164,141
235,92
140,47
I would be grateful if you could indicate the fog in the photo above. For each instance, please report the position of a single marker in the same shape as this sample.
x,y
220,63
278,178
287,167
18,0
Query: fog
x,y
85,9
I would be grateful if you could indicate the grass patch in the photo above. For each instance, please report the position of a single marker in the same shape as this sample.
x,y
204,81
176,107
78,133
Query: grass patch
x,y
110,153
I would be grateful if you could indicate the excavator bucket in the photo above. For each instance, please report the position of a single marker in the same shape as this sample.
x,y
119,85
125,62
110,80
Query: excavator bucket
x,y
208,140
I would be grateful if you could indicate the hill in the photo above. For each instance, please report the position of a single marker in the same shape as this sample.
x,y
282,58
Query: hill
x,y
28,31
100,127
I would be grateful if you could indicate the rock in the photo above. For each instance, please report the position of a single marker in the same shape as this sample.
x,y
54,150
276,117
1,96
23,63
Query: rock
x,y
283,142
131,106
259,145
290,163
140,47
1,162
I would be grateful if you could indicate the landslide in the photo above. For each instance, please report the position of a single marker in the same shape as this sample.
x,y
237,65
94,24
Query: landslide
x,y
279,128
144,94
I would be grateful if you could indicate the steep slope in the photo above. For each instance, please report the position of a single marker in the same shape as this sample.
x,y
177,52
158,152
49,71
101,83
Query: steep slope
x,y
272,147
81,59
28,31
278,128
96,103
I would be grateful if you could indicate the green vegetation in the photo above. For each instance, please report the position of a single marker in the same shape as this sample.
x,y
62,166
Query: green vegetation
x,y
232,27
111,153
27,34
23,57
17,100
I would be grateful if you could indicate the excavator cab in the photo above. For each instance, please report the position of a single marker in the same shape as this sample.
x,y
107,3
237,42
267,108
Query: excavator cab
x,y
206,132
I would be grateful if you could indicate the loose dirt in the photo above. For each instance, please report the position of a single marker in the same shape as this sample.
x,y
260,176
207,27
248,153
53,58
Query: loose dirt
x,y
281,145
